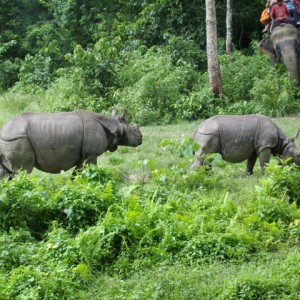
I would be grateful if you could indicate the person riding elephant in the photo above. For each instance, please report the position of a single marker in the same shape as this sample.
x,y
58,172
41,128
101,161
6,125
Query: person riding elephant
x,y
283,45
291,6
279,14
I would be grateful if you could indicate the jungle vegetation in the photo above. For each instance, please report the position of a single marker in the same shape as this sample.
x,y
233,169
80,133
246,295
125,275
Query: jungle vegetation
x,y
148,56
141,224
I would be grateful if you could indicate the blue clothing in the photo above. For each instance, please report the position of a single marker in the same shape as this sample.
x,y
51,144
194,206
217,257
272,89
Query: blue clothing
x,y
292,9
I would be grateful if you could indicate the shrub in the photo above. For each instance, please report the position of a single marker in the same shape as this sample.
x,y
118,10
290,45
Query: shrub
x,y
274,96
245,70
24,205
249,288
84,200
257,87
9,68
86,83
282,182
39,71
151,85
16,248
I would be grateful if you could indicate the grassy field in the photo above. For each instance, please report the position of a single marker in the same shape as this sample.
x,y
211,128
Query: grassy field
x,y
218,234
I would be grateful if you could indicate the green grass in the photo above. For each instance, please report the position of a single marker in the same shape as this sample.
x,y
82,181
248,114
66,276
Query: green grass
x,y
207,281
12,104
259,232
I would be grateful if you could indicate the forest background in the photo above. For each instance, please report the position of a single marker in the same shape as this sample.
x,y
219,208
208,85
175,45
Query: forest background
x,y
148,56
141,224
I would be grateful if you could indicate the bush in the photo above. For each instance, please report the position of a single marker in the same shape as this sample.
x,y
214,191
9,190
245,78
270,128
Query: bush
x,y
282,182
31,204
275,96
151,85
83,201
24,205
86,83
250,288
257,86
39,71
245,70
9,68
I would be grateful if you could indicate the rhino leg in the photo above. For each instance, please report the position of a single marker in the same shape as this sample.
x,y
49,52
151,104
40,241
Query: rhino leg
x,y
250,165
79,166
264,157
15,155
4,172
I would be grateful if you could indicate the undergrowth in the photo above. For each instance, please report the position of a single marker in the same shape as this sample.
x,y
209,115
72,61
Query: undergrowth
x,y
59,236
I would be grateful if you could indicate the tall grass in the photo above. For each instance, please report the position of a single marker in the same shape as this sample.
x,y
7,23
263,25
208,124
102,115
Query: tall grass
x,y
15,103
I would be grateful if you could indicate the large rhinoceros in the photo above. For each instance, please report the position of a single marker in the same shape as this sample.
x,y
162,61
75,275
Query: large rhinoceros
x,y
243,137
52,142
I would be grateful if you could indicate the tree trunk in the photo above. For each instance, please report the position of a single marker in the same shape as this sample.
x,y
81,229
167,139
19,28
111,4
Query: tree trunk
x,y
214,71
229,26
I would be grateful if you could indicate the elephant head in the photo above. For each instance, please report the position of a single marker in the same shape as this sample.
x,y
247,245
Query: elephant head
x,y
283,46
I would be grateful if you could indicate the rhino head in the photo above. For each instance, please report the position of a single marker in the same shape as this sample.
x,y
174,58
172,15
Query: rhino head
x,y
129,135
290,151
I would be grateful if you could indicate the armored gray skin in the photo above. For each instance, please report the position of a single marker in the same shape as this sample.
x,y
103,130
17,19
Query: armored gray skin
x,y
53,142
245,137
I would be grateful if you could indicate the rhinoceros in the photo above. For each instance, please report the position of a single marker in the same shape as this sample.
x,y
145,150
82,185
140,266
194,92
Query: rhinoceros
x,y
243,137
52,142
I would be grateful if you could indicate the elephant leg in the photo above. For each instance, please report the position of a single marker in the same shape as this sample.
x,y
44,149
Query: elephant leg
x,y
250,165
264,157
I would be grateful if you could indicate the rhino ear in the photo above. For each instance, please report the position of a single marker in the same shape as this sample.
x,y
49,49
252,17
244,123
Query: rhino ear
x,y
295,135
114,112
124,115
109,123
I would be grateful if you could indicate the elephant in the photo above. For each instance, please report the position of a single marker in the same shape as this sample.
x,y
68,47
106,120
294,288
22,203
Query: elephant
x,y
52,142
283,46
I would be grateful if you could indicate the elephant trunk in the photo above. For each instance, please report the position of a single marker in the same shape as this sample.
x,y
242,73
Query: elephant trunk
x,y
288,55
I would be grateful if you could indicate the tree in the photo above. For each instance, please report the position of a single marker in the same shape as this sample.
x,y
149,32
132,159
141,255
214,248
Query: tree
x,y
229,26
214,72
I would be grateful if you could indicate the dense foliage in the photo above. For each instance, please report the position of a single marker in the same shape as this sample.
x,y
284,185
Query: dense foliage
x,y
144,226
139,55
58,235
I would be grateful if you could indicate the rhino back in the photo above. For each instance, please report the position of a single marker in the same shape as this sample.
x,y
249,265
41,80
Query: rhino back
x,y
56,140
237,135
14,129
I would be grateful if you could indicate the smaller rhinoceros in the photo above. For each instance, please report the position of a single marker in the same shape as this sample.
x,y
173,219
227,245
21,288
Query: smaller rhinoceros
x,y
243,137
53,142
